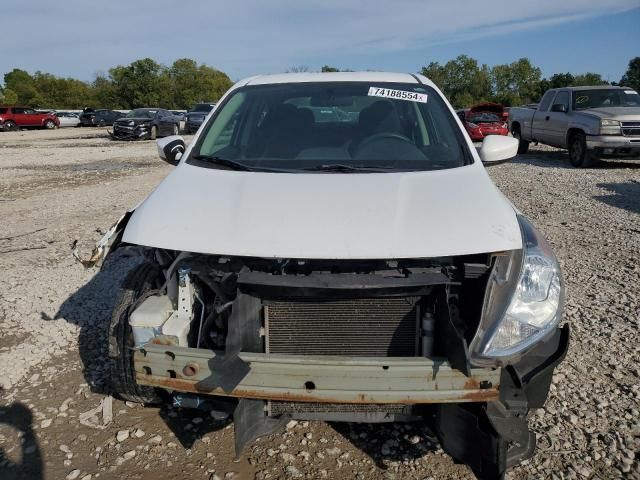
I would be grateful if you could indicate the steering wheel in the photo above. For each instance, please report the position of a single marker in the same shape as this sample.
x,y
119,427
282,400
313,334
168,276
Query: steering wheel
x,y
384,135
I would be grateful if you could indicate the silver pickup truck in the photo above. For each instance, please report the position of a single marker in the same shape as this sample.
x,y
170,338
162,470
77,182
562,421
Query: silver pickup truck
x,y
591,122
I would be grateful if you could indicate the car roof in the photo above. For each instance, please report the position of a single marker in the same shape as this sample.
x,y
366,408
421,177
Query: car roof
x,y
308,77
595,87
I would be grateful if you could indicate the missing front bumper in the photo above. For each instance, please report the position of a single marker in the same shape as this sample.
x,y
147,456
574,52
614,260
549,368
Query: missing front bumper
x,y
298,378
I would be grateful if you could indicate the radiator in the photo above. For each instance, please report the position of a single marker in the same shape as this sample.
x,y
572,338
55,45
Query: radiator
x,y
374,327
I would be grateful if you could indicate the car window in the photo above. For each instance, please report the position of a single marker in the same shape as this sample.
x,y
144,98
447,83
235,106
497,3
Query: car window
x,y
562,98
3,110
301,126
596,98
546,101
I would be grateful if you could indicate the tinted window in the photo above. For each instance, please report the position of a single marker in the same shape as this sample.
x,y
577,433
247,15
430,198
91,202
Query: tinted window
x,y
562,98
546,101
306,125
3,110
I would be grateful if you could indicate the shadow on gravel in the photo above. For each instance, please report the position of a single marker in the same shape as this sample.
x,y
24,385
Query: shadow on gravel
x,y
29,467
389,442
90,308
560,159
623,195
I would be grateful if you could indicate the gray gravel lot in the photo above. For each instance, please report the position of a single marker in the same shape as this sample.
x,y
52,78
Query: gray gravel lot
x,y
57,186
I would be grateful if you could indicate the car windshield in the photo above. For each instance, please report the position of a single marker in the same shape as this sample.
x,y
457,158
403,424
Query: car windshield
x,y
484,117
141,113
332,126
584,99
202,107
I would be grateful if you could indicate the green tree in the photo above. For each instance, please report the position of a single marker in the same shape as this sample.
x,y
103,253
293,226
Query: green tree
x,y
516,83
328,69
461,80
8,97
589,78
22,84
631,78
138,84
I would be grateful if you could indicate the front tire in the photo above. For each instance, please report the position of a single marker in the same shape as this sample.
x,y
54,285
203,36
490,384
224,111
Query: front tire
x,y
579,156
154,133
523,146
140,281
10,126
49,124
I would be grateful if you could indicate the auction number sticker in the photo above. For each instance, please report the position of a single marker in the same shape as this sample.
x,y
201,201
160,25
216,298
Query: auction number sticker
x,y
398,94
628,92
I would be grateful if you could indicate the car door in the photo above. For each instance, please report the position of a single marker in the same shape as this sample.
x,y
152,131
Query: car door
x,y
558,119
540,122
165,122
21,117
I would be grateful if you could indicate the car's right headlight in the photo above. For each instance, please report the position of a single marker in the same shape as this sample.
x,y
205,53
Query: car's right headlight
x,y
610,127
523,303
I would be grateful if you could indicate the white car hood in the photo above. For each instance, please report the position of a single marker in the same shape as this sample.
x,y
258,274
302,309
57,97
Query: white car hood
x,y
326,216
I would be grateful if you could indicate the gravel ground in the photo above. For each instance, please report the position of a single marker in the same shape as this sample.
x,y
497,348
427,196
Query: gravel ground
x,y
56,422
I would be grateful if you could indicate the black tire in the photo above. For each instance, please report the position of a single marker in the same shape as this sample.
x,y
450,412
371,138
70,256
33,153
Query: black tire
x,y
101,123
523,146
10,126
153,134
579,156
140,280
49,124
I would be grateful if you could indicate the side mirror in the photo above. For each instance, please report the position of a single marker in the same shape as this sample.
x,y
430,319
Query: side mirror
x,y
559,107
171,149
497,149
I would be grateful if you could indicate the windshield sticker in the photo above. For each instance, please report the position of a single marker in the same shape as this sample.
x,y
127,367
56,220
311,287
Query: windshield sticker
x,y
397,94
582,99
628,92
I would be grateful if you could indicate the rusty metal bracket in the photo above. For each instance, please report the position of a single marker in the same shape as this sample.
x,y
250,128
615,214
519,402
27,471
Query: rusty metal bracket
x,y
300,378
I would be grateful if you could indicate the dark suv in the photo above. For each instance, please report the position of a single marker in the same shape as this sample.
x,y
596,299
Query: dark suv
x,y
195,116
99,118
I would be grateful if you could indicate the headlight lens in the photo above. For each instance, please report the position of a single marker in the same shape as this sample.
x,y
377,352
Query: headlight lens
x,y
517,320
610,127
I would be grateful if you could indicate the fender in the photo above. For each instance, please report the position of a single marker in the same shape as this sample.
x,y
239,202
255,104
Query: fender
x,y
109,242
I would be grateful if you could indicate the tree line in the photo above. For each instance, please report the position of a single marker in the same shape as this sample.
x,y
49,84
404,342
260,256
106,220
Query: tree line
x,y
145,82
142,83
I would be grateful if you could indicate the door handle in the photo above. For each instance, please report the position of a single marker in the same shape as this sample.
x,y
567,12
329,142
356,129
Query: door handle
x,y
547,117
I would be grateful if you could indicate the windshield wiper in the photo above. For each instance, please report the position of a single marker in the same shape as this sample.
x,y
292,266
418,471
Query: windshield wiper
x,y
340,167
225,162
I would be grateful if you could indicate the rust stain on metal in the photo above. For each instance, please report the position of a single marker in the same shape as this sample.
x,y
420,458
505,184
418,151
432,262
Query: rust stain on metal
x,y
471,384
190,386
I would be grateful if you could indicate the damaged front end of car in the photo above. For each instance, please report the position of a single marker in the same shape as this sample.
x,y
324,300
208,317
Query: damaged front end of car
x,y
467,344
130,130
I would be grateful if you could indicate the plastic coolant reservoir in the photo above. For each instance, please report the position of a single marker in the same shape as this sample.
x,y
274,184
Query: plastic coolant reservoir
x,y
147,320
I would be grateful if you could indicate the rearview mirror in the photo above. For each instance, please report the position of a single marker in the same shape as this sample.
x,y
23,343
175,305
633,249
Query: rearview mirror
x,y
559,107
497,149
171,149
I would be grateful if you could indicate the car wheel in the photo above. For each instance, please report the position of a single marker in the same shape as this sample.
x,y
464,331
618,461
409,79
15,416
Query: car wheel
x,y
523,146
49,124
579,156
9,126
139,282
154,133
101,123
176,129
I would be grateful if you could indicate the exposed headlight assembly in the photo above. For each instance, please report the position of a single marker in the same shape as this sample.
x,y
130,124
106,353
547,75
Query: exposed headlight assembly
x,y
610,127
523,302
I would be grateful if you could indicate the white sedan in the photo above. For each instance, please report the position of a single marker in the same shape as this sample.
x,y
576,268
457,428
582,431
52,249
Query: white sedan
x,y
68,119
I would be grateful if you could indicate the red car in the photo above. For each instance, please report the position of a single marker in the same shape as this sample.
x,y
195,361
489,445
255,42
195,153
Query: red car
x,y
486,119
14,118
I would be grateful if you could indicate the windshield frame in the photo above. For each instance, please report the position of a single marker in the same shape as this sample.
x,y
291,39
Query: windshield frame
x,y
467,155
147,111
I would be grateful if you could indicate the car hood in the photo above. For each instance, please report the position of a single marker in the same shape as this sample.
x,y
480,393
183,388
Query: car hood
x,y
615,113
136,120
326,216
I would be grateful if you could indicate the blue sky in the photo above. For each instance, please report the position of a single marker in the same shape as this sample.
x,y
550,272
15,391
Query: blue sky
x,y
78,38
